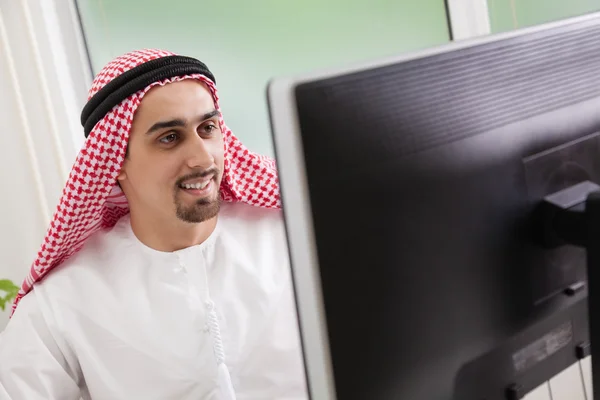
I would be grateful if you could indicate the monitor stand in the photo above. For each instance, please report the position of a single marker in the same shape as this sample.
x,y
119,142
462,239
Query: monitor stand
x,y
572,217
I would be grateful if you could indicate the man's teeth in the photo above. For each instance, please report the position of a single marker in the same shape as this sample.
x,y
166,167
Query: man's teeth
x,y
201,185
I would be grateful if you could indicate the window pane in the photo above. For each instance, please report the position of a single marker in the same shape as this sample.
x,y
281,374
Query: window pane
x,y
246,43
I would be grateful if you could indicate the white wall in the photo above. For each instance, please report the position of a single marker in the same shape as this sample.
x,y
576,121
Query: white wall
x,y
43,83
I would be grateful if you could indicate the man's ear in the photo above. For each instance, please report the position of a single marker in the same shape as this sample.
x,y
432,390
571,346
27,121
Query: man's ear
x,y
122,175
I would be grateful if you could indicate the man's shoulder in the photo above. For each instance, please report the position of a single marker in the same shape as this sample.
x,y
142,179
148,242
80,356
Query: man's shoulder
x,y
87,264
250,227
250,213
242,216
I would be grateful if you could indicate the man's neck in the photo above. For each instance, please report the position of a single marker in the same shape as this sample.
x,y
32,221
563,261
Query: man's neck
x,y
171,236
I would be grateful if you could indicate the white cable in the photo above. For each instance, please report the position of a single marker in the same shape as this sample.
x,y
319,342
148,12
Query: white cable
x,y
23,117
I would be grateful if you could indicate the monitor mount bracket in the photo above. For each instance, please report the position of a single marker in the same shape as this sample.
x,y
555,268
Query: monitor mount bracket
x,y
572,217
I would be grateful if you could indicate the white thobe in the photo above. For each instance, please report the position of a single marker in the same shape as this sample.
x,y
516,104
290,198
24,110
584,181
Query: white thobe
x,y
120,320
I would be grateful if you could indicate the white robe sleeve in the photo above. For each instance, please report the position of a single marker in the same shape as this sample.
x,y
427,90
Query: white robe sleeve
x,y
32,366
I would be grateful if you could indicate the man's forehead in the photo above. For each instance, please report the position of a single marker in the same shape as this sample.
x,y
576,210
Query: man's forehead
x,y
184,101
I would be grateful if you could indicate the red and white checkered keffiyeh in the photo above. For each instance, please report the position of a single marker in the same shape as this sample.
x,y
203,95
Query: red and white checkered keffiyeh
x,y
91,199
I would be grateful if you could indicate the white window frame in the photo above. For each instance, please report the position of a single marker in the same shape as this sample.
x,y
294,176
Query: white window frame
x,y
468,18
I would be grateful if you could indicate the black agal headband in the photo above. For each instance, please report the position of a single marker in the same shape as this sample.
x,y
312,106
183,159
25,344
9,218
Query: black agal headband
x,y
137,79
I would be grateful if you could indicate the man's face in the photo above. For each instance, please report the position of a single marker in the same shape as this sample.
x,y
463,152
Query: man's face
x,y
175,155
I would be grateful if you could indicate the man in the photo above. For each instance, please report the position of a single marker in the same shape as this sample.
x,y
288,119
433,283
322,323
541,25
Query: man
x,y
165,269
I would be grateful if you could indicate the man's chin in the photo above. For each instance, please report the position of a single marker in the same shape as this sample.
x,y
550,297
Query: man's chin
x,y
203,210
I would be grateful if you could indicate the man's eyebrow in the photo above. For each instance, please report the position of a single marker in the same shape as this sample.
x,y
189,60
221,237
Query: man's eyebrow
x,y
209,115
178,122
166,124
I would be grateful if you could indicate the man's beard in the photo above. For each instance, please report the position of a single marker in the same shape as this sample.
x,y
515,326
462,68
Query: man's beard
x,y
203,209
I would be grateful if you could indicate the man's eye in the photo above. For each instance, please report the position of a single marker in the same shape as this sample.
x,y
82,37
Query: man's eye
x,y
209,128
168,138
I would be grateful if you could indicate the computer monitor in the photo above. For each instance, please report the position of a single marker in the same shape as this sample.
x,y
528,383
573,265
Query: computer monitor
x,y
409,187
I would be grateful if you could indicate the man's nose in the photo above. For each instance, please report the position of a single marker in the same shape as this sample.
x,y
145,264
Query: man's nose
x,y
198,154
